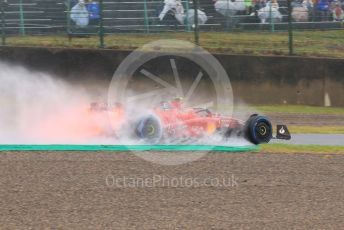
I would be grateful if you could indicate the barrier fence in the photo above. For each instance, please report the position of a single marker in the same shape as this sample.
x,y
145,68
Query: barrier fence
x,y
311,27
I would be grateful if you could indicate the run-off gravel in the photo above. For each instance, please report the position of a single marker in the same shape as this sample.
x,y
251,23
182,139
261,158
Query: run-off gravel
x,y
268,191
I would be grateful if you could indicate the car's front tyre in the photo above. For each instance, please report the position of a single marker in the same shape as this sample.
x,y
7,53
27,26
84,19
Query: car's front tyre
x,y
258,129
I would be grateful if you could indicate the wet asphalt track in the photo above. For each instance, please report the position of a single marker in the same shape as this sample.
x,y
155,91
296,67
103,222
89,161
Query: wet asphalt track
x,y
68,190
314,139
315,120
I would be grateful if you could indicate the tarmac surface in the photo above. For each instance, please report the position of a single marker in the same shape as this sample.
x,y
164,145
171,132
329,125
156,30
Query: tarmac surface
x,y
118,190
314,139
315,120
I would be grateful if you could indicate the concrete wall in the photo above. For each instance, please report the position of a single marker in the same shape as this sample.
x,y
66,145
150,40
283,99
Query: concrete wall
x,y
255,79
294,80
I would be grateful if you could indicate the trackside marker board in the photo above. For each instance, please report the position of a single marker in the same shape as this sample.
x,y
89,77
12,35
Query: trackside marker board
x,y
127,148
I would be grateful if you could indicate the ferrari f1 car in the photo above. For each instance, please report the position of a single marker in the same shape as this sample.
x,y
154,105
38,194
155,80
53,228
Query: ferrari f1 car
x,y
170,121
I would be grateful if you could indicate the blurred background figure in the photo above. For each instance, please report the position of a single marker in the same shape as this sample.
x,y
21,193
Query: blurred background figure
x,y
231,10
79,14
249,6
338,13
202,17
259,4
308,4
93,10
270,13
228,8
301,11
299,14
175,8
323,10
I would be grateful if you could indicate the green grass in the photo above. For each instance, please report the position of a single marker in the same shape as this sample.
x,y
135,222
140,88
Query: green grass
x,y
302,109
315,149
306,43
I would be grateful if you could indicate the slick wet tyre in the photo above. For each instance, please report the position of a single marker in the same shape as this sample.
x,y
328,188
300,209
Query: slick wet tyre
x,y
149,129
258,129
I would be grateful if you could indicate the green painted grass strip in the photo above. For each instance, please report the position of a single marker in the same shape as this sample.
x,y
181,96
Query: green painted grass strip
x,y
126,148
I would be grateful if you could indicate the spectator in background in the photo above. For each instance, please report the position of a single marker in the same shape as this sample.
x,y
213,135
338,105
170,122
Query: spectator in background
x,y
174,7
309,5
79,14
270,12
229,8
190,15
323,8
248,4
338,13
260,4
93,10
301,11
274,4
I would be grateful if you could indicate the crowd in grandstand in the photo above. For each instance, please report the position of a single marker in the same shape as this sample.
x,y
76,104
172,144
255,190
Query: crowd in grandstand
x,y
320,10
266,11
83,12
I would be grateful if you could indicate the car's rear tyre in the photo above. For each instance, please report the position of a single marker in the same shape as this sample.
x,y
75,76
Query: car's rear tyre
x,y
149,130
258,129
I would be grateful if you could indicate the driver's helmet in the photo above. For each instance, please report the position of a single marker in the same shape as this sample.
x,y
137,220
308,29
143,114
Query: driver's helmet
x,y
177,103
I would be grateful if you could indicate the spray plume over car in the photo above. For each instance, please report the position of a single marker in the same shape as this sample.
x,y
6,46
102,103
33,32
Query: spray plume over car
x,y
37,108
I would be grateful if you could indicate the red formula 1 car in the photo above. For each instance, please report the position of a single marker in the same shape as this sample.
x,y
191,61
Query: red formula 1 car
x,y
170,121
